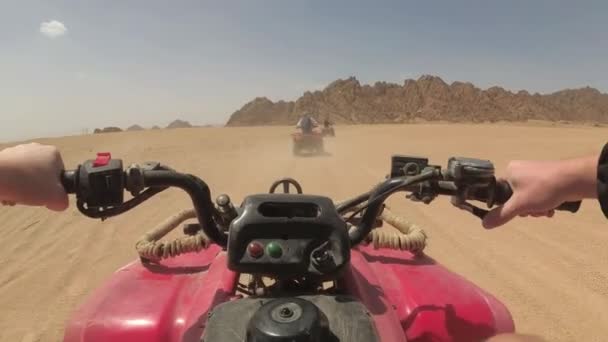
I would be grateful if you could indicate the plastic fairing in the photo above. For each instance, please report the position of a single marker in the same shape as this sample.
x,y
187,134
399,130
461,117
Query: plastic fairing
x,y
409,299
429,302
155,303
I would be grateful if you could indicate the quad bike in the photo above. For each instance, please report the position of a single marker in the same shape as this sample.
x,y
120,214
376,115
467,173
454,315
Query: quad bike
x,y
307,142
286,267
328,131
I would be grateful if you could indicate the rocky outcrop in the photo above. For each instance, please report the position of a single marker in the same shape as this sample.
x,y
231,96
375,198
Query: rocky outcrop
x,y
262,111
135,128
179,124
427,98
107,130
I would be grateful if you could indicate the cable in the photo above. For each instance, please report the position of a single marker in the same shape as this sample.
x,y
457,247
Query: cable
x,y
408,236
124,207
148,246
374,204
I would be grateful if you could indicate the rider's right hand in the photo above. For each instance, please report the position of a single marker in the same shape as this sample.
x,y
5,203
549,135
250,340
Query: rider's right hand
x,y
541,186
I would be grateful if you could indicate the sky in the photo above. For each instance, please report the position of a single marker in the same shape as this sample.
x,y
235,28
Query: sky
x,y
69,66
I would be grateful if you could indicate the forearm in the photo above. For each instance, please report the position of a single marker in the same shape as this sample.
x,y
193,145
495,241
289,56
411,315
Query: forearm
x,y
587,178
578,177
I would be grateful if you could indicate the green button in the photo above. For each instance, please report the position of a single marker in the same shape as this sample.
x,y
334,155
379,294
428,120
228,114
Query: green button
x,y
274,250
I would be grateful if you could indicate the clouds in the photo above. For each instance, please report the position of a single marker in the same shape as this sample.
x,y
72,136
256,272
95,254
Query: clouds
x,y
53,29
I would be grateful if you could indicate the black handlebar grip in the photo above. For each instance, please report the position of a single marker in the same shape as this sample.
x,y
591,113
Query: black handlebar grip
x,y
68,180
570,206
503,191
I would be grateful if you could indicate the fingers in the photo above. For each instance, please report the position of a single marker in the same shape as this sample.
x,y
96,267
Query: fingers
x,y
501,215
549,213
60,204
59,199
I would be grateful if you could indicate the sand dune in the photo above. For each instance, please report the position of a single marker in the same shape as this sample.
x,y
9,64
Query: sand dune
x,y
552,273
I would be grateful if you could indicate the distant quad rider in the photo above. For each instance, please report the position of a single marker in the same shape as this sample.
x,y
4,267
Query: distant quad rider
x,y
307,123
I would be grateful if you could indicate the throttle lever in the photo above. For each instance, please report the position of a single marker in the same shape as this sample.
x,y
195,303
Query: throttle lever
x,y
459,203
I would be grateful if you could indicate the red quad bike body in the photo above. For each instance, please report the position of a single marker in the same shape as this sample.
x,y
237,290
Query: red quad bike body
x,y
303,142
328,131
382,287
408,299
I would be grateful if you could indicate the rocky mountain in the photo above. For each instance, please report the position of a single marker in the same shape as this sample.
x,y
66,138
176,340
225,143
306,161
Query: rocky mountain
x,y
427,98
179,124
135,128
107,130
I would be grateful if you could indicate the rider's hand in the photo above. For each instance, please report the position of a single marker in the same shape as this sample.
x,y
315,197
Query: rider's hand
x,y
541,186
30,175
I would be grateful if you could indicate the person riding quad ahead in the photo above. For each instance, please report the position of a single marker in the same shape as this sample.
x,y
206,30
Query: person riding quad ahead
x,y
307,123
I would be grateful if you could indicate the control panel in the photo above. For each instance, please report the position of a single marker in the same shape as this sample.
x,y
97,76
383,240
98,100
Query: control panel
x,y
288,234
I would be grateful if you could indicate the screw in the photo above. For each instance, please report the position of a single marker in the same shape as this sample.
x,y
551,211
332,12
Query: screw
x,y
286,312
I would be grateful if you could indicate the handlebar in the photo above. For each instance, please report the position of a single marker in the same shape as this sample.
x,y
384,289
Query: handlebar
x,y
99,191
200,195
68,180
504,192
499,193
99,188
495,193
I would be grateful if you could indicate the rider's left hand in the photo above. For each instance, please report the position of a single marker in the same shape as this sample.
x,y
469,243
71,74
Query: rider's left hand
x,y
30,175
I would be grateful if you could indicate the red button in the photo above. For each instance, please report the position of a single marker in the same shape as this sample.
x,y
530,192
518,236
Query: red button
x,y
103,158
255,249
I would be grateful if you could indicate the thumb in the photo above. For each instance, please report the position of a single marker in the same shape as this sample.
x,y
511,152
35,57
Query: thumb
x,y
501,215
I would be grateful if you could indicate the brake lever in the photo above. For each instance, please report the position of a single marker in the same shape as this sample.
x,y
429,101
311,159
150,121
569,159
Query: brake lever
x,y
466,206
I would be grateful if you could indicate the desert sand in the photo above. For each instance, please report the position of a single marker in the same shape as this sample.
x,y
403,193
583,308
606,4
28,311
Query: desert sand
x,y
551,273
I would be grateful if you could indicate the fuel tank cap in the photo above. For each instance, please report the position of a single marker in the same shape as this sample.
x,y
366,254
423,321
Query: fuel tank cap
x,y
288,320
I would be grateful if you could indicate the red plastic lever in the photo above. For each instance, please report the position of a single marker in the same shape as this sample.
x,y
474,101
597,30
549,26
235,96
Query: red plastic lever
x,y
103,158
